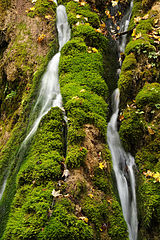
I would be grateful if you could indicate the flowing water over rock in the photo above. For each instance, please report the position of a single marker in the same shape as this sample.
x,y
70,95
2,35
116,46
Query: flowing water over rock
x,y
49,95
123,165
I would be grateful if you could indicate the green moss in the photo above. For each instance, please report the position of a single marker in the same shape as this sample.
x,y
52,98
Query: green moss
x,y
40,168
87,61
129,62
101,180
149,95
90,36
87,80
144,26
75,135
64,225
96,211
74,46
149,204
131,130
117,229
139,45
76,156
42,8
136,11
84,13
147,157
125,84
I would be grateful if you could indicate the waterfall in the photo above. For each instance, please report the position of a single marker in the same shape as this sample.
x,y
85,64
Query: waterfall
x,y
123,39
123,163
123,28
49,94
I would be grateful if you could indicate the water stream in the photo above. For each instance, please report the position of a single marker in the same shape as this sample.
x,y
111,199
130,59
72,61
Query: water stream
x,y
49,94
123,163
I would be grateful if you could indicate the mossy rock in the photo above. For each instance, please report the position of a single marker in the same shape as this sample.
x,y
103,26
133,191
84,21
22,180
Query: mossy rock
x,y
125,85
73,47
129,62
149,95
139,45
96,211
76,156
149,204
87,80
81,14
65,225
118,228
144,26
42,8
131,130
91,37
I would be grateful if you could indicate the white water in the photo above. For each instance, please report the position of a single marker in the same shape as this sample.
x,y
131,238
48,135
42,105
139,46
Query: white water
x,y
3,187
123,39
49,95
123,28
123,165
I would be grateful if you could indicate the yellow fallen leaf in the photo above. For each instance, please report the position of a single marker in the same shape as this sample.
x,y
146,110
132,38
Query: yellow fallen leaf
x,y
82,3
150,130
98,30
145,16
85,219
94,50
137,19
90,195
121,117
32,8
101,165
134,32
48,17
139,35
118,28
103,25
78,16
114,3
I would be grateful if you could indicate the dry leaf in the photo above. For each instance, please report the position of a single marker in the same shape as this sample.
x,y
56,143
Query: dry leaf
x,y
121,117
85,219
150,130
56,193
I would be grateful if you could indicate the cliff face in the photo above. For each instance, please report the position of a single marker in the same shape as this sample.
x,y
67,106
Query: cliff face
x,y
39,203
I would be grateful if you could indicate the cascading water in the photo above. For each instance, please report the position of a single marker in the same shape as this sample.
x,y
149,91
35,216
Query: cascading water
x,y
123,163
49,95
123,28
